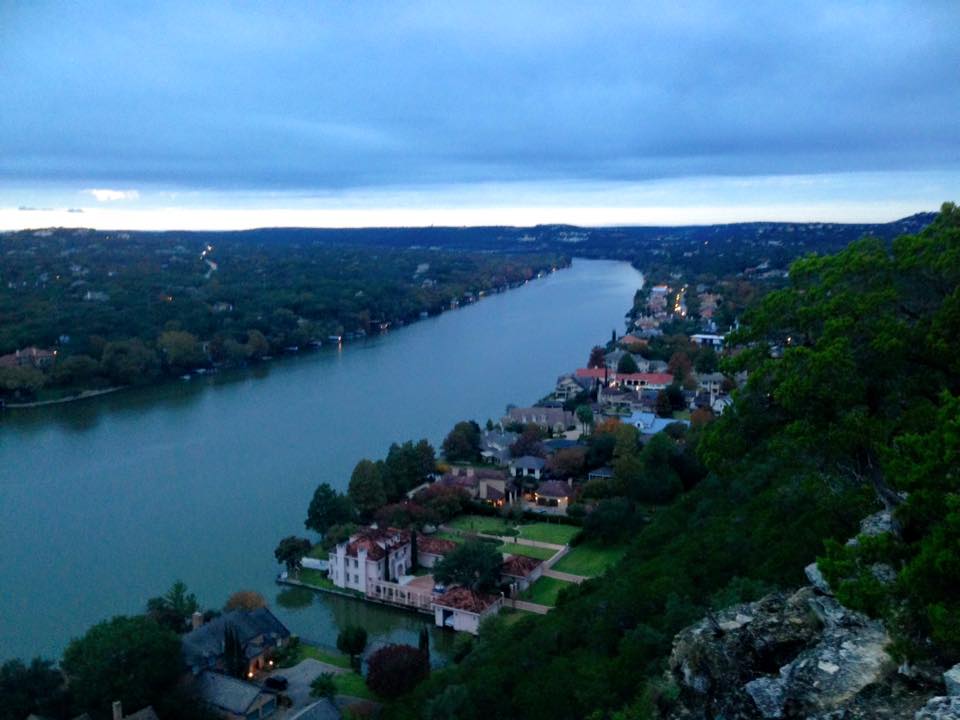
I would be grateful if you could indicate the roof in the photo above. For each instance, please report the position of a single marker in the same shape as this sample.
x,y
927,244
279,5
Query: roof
x,y
529,462
648,378
434,545
541,415
710,377
560,444
520,566
650,424
227,693
377,542
554,488
147,713
460,598
602,472
320,710
206,642
595,373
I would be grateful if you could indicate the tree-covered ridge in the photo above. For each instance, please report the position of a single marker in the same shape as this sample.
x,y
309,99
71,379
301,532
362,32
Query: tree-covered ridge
x,y
178,302
851,407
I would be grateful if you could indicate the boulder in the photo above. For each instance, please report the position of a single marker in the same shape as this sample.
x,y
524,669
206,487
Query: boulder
x,y
816,578
940,708
952,680
784,656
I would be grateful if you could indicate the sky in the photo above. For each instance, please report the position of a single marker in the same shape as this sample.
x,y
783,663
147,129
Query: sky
x,y
220,115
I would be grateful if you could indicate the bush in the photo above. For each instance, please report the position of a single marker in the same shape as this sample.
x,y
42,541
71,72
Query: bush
x,y
395,670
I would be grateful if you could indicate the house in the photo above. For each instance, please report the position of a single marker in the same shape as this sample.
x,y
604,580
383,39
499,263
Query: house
x,y
521,571
721,404
496,489
495,446
235,699
463,610
650,424
601,473
431,549
527,466
553,419
653,380
259,631
630,341
707,340
29,357
555,444
554,493
711,383
462,478
570,386
373,554
617,399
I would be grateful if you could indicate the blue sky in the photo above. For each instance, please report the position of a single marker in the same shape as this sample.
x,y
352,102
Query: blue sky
x,y
238,114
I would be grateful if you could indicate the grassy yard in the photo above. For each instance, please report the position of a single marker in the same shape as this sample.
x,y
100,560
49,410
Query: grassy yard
x,y
318,578
480,524
353,684
549,532
528,551
545,590
318,552
590,560
326,656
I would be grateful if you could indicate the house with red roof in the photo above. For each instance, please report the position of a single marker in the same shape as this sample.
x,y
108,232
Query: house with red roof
x,y
463,610
521,572
373,554
431,549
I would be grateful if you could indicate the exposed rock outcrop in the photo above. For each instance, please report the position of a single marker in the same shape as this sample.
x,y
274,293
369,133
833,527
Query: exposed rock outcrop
x,y
785,656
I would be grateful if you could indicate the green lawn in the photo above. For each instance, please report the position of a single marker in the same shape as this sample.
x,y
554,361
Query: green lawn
x,y
331,658
318,578
590,560
545,590
549,532
527,550
353,684
480,524
318,552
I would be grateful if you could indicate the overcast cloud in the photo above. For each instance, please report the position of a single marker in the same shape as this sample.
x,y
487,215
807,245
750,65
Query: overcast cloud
x,y
333,98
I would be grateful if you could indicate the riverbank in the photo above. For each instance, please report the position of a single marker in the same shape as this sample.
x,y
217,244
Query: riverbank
x,y
316,346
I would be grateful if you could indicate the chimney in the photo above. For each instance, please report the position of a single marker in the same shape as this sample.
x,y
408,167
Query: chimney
x,y
570,481
117,710
196,620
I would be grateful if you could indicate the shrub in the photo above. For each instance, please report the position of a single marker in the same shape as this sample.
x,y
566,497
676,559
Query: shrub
x,y
395,670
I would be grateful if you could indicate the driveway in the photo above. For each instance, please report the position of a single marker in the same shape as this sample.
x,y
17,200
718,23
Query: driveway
x,y
299,678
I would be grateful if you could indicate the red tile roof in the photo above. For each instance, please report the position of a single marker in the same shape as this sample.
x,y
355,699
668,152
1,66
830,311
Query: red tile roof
x,y
377,542
647,378
554,488
460,598
595,373
520,566
434,545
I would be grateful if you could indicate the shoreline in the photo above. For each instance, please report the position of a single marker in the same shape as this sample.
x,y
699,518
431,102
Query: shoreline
x,y
87,394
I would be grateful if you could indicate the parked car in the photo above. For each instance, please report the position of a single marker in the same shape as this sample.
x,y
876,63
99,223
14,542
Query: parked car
x,y
277,682
439,588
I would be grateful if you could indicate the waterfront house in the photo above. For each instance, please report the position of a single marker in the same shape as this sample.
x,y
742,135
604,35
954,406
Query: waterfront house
x,y
463,610
527,466
553,419
708,340
554,494
259,631
233,698
650,424
654,381
570,386
373,554
29,357
521,571
495,446
431,549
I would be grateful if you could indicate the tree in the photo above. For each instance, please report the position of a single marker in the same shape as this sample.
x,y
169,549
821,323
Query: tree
x,y
352,640
175,609
529,442
290,552
395,670
257,345
627,364
707,361
680,366
366,490
597,357
424,642
585,415
407,466
462,444
473,564
609,521
181,350
657,481
323,686
31,689
234,658
131,659
567,463
245,600
441,503
327,508
129,362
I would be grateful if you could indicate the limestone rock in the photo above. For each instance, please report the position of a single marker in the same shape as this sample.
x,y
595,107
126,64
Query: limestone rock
x,y
952,679
816,578
940,708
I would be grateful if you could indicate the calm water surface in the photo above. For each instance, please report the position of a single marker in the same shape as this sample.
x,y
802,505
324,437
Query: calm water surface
x,y
105,502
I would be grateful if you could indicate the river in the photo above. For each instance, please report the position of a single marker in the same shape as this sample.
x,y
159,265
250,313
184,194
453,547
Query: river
x,y
105,502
